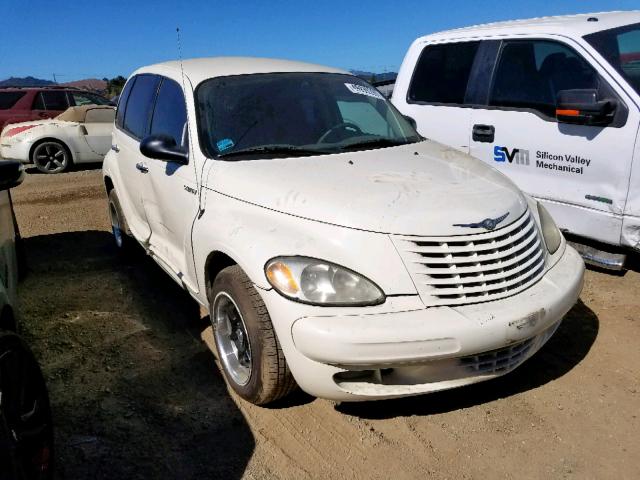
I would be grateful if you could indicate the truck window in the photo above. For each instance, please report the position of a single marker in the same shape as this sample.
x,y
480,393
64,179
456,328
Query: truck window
x,y
621,48
170,115
139,105
530,73
442,73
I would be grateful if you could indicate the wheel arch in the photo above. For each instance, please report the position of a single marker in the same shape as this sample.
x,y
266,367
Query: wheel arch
x,y
108,184
215,263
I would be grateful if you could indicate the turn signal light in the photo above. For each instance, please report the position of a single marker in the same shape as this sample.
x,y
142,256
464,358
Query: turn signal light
x,y
567,113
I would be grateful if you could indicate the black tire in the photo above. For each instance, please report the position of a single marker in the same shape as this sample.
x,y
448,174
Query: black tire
x,y
51,156
270,378
122,237
26,430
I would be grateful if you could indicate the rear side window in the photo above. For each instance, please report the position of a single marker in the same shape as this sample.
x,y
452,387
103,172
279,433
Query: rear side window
x,y
530,73
170,115
442,73
122,102
51,100
140,104
9,99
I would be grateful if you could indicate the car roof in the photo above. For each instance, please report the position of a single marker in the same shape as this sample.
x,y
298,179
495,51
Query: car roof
x,y
568,25
200,69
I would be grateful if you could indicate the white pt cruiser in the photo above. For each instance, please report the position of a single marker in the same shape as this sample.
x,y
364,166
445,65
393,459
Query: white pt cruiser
x,y
334,247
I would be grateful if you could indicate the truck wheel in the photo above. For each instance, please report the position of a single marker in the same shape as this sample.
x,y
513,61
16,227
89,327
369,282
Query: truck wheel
x,y
26,431
119,228
51,156
248,350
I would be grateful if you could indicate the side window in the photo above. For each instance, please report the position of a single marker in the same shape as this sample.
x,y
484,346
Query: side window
x,y
9,99
442,73
122,102
170,115
530,73
365,116
140,104
51,100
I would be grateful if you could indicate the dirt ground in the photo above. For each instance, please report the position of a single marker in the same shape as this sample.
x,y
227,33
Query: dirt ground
x,y
136,394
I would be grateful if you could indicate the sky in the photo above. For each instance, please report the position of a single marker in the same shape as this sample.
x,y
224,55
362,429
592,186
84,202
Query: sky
x,y
76,40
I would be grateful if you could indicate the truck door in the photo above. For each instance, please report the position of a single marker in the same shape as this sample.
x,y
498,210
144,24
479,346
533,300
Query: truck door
x,y
581,172
434,93
174,202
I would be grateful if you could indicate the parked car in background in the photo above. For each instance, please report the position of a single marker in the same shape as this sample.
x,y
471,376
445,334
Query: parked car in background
x,y
554,103
22,104
332,245
26,432
78,135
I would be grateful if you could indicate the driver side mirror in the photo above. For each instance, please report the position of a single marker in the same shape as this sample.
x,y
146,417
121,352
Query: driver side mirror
x,y
163,147
583,108
11,174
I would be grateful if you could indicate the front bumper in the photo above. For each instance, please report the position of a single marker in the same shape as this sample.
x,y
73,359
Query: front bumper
x,y
16,151
355,356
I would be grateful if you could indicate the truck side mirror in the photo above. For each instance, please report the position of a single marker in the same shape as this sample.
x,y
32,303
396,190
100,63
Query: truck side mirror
x,y
163,147
581,106
11,174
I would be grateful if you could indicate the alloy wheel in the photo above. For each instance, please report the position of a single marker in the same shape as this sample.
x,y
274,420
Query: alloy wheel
x,y
231,337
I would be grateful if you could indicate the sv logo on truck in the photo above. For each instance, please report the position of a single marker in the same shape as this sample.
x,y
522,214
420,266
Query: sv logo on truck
x,y
517,155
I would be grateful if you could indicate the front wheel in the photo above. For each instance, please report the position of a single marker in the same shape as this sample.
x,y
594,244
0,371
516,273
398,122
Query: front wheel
x,y
248,349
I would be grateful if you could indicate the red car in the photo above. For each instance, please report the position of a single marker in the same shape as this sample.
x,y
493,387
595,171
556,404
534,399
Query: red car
x,y
23,104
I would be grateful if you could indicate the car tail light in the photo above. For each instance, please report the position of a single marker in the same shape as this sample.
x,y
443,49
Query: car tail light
x,y
14,131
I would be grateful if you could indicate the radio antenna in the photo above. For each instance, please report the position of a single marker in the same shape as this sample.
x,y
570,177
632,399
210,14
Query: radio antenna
x,y
186,107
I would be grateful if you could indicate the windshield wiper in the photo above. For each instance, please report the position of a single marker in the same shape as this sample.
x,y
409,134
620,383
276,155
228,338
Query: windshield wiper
x,y
269,149
376,142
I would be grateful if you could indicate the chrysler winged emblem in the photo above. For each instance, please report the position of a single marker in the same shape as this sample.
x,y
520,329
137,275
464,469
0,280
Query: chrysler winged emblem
x,y
487,223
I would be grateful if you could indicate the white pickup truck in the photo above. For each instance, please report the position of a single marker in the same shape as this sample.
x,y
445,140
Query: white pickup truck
x,y
554,103
333,247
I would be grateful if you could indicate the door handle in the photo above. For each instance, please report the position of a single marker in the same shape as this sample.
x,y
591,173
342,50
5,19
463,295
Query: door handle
x,y
115,148
42,115
484,133
142,167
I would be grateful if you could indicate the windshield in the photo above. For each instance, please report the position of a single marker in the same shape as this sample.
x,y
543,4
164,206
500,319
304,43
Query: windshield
x,y
621,48
294,114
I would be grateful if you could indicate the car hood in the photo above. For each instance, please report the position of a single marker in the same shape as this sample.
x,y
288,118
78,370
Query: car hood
x,y
418,189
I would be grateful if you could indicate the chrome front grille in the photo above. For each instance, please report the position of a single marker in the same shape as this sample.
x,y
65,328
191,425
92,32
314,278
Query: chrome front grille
x,y
475,268
498,361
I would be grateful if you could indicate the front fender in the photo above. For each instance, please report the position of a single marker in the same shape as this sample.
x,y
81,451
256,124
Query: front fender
x,y
252,235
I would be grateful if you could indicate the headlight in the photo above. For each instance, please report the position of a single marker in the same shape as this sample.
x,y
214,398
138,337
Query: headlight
x,y
318,282
550,232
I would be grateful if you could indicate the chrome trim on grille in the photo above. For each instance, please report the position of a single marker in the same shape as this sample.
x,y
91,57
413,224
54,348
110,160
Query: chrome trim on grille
x,y
463,269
